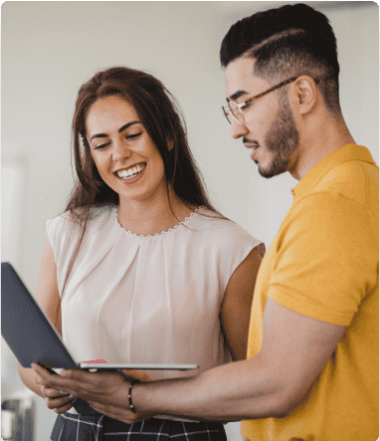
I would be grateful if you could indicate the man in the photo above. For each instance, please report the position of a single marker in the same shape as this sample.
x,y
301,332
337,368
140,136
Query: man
x,y
312,367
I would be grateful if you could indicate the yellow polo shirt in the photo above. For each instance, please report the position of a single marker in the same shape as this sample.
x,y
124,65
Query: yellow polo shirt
x,y
323,264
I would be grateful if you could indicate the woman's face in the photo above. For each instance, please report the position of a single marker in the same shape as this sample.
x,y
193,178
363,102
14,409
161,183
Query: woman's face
x,y
123,152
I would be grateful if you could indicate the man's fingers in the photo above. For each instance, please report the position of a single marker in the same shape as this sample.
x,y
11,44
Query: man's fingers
x,y
39,380
65,382
70,373
44,376
64,408
88,386
54,403
115,413
52,393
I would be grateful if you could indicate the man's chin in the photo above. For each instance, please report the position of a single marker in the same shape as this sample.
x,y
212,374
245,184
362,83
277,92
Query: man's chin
x,y
274,168
265,173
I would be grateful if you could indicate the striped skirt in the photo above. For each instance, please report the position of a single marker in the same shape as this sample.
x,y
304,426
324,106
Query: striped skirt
x,y
89,425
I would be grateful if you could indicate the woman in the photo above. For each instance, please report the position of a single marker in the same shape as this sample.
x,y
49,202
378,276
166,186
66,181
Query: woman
x,y
140,267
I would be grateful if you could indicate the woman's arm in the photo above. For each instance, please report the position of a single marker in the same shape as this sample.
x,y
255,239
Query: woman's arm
x,y
47,296
236,306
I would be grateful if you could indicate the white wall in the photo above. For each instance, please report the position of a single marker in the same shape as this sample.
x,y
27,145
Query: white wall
x,y
50,48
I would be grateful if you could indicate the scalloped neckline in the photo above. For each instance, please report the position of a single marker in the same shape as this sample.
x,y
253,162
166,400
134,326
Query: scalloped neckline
x,y
193,213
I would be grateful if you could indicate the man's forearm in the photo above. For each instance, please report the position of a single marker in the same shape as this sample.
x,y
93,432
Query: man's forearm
x,y
233,392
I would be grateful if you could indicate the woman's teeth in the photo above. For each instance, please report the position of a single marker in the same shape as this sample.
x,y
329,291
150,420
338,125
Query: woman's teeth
x,y
131,172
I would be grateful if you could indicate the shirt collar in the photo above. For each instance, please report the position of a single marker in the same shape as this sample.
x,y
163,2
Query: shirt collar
x,y
349,152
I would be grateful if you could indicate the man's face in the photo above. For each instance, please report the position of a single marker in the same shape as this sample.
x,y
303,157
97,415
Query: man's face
x,y
269,127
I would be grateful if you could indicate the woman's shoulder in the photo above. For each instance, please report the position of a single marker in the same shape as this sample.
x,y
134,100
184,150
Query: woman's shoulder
x,y
210,217
215,225
72,222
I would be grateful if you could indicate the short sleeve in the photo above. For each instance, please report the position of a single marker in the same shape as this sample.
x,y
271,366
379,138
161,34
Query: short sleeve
x,y
63,237
52,228
227,245
326,259
238,243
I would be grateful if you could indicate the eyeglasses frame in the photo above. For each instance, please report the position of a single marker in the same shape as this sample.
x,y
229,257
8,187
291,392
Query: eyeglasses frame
x,y
254,98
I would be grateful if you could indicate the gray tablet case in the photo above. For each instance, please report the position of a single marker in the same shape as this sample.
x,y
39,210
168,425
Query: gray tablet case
x,y
26,328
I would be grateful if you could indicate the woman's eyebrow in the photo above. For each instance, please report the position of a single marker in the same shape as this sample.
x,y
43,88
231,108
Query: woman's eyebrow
x,y
125,126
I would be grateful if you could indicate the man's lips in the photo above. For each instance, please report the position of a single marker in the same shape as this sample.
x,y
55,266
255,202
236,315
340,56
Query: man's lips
x,y
251,145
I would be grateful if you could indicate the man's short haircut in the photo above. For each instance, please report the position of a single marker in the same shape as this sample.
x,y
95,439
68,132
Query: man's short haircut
x,y
288,42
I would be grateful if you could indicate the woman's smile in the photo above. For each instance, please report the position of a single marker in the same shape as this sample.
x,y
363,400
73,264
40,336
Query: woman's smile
x,y
131,174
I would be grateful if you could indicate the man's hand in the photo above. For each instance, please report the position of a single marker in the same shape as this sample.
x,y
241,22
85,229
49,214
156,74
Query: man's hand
x,y
105,391
55,400
137,375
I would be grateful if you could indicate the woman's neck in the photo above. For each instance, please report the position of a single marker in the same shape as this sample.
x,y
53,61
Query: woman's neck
x,y
152,216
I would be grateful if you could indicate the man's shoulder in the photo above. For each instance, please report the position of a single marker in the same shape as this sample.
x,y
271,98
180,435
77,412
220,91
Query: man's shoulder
x,y
328,209
354,180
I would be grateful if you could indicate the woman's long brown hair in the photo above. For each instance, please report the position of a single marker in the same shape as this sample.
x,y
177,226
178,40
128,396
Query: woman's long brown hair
x,y
165,125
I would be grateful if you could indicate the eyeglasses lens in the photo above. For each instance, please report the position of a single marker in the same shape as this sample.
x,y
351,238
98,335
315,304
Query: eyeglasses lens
x,y
235,111
227,113
232,111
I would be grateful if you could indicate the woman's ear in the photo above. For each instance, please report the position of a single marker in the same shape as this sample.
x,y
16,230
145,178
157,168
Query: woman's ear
x,y
170,145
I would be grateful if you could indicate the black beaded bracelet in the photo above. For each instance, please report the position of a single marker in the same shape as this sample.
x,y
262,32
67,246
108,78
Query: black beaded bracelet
x,y
131,406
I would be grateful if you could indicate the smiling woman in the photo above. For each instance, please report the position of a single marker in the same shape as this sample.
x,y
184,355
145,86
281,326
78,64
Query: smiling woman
x,y
130,103
121,104
124,153
140,268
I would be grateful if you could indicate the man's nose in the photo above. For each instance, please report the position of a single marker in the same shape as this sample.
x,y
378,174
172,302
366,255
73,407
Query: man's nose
x,y
238,129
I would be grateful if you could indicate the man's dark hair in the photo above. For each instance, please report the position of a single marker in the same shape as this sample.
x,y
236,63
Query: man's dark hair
x,y
288,42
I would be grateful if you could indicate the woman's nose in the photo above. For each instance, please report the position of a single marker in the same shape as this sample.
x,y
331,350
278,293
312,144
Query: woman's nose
x,y
120,151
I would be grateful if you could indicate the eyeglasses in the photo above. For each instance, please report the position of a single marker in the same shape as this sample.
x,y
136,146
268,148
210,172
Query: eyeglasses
x,y
236,110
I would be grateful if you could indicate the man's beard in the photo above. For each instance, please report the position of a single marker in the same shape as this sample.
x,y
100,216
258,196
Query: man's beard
x,y
281,139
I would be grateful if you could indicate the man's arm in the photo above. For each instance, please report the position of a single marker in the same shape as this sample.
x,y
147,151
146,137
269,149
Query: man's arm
x,y
295,349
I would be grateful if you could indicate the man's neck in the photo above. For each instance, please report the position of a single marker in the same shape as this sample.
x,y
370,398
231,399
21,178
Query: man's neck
x,y
318,140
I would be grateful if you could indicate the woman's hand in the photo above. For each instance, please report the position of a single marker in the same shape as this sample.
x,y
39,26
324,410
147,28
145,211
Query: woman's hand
x,y
105,391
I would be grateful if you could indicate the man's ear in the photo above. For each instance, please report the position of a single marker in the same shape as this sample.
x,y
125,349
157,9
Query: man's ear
x,y
305,94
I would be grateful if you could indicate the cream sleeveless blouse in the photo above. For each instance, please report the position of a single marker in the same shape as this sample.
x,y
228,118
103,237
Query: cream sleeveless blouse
x,y
147,299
